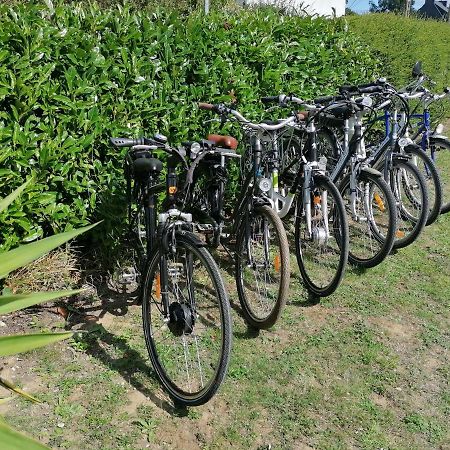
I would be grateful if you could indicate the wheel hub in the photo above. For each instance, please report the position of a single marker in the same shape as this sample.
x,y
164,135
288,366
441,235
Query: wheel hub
x,y
181,319
319,236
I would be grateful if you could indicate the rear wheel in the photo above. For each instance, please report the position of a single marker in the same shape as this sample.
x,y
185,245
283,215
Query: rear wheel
x,y
322,255
190,348
262,267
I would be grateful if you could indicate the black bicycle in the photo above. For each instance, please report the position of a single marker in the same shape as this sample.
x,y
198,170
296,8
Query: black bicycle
x,y
185,308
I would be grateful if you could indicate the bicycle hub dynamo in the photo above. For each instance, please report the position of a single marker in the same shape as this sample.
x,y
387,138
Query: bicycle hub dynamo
x,y
319,236
181,319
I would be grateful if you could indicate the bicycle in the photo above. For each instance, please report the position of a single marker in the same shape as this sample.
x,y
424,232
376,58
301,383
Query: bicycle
x,y
321,229
388,157
369,202
253,229
430,140
185,308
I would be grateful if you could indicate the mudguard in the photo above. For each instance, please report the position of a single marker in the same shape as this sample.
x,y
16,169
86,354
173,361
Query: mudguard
x,y
190,238
371,171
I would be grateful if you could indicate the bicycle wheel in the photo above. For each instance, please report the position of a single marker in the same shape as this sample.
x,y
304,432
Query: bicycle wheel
x,y
322,255
440,154
262,268
410,193
189,351
433,181
371,219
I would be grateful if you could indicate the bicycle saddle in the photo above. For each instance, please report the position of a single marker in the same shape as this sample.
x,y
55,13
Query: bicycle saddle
x,y
228,142
147,165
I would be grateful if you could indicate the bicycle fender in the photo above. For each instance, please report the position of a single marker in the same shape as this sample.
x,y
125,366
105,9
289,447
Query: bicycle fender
x,y
372,171
400,157
412,147
439,138
320,176
190,238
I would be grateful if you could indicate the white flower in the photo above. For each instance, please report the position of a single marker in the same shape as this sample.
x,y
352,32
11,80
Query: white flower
x,y
139,79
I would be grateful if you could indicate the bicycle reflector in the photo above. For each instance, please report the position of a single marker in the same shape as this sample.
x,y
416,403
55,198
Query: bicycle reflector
x,y
379,201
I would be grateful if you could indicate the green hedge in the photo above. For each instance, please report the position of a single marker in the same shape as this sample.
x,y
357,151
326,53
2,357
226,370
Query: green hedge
x,y
72,77
400,42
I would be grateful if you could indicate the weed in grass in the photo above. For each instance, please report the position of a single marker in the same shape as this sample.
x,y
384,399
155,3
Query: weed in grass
x,y
147,427
427,426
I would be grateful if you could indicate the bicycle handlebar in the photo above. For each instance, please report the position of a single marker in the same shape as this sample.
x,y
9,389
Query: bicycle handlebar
x,y
126,142
223,109
271,99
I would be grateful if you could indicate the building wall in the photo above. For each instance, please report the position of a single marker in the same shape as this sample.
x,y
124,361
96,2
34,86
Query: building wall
x,y
321,7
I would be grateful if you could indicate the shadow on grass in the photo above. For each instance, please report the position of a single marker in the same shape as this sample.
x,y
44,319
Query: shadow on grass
x,y
103,345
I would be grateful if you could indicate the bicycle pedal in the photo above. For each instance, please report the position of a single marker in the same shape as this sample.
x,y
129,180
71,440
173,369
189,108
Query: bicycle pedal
x,y
128,275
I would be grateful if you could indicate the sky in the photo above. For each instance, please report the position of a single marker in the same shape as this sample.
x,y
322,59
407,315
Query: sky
x,y
363,5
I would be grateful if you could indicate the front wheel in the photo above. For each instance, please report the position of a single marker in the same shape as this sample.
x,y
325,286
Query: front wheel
x,y
411,196
429,172
371,214
189,346
322,250
262,267
440,154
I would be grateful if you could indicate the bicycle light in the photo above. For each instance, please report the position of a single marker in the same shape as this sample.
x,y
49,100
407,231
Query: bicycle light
x,y
265,184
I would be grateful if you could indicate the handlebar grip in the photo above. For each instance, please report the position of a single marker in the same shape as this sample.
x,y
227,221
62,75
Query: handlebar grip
x,y
348,88
271,99
371,89
329,99
126,142
207,106
326,99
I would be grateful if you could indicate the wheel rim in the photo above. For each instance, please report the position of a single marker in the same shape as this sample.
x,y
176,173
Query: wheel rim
x,y
369,228
409,196
320,260
260,265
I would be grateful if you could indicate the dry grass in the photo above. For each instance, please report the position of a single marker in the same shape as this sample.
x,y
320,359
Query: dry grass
x,y
54,271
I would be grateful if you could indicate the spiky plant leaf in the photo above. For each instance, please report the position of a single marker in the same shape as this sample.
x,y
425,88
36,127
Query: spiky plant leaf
x,y
5,202
24,254
10,303
12,440
11,387
11,345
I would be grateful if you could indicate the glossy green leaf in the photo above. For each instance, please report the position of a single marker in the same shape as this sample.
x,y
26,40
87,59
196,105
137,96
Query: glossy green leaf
x,y
11,345
5,202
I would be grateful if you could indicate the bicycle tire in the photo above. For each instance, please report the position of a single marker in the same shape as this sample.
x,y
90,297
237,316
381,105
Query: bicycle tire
x,y
402,213
340,235
281,264
433,182
440,154
221,315
380,228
